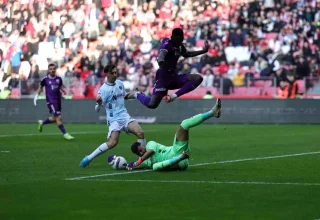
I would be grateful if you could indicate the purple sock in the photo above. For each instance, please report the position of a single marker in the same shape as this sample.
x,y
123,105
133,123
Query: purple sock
x,y
62,129
143,99
188,87
47,121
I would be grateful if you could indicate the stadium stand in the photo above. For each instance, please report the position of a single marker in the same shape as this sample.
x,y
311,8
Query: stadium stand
x,y
254,44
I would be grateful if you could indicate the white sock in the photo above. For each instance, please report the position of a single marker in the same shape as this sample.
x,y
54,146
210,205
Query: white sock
x,y
142,141
101,149
174,96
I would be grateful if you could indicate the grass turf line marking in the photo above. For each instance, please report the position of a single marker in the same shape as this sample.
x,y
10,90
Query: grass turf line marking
x,y
4,151
200,164
53,134
257,158
208,182
108,174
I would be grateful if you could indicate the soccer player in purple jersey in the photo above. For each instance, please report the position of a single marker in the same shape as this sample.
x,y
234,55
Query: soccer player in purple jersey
x,y
166,77
54,87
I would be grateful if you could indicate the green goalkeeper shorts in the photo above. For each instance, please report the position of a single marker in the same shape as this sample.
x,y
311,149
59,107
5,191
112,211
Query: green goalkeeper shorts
x,y
179,146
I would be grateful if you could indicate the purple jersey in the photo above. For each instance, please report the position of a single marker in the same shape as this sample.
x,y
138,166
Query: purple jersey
x,y
172,56
52,86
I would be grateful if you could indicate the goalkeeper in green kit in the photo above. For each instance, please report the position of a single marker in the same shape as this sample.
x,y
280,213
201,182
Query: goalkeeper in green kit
x,y
159,157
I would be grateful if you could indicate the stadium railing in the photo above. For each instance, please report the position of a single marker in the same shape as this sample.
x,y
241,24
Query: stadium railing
x,y
260,88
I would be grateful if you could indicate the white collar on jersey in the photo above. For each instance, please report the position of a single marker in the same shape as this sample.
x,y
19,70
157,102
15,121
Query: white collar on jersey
x,y
50,77
110,84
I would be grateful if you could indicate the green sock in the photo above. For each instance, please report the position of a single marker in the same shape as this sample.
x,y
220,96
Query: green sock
x,y
166,163
195,120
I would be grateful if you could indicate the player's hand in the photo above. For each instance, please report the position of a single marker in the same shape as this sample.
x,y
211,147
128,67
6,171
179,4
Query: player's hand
x,y
35,100
206,46
99,100
130,166
64,92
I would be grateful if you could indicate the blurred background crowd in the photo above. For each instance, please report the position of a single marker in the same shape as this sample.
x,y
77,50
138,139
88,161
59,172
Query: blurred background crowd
x,y
266,48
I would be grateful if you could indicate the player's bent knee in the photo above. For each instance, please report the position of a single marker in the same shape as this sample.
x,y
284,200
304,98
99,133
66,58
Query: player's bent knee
x,y
140,134
153,105
185,125
112,143
195,77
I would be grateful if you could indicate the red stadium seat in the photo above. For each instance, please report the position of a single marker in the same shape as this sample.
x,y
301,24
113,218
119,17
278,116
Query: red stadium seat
x,y
301,86
240,90
200,43
270,91
271,36
15,93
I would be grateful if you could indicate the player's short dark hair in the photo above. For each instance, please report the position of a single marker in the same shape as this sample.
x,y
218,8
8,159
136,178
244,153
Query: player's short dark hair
x,y
51,65
177,32
134,147
108,68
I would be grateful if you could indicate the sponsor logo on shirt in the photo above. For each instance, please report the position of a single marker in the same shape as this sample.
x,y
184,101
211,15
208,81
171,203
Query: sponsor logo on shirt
x,y
115,97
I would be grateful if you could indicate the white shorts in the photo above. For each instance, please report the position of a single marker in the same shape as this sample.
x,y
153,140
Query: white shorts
x,y
120,125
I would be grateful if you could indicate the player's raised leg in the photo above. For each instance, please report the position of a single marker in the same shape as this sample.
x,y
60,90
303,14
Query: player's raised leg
x,y
41,123
183,130
160,90
189,82
62,129
150,102
112,142
135,128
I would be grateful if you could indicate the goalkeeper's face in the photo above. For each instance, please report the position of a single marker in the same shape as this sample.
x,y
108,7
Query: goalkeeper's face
x,y
141,150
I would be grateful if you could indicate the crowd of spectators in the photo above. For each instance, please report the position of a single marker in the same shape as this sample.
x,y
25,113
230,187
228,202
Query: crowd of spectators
x,y
281,40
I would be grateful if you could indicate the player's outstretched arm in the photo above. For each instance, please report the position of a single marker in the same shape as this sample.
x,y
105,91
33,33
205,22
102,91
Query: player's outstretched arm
x,y
146,156
161,57
98,104
37,95
63,89
197,53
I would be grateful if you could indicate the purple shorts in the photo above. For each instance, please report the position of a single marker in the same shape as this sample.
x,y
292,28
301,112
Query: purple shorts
x,y
54,108
164,83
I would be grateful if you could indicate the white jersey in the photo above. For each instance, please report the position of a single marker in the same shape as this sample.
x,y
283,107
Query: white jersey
x,y
113,100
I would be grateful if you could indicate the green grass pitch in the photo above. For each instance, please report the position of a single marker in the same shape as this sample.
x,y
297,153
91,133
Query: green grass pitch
x,y
238,172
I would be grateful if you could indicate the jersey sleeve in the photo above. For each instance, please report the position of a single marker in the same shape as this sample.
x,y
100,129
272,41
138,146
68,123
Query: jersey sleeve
x,y
165,44
122,87
152,146
147,164
104,94
43,82
60,82
183,50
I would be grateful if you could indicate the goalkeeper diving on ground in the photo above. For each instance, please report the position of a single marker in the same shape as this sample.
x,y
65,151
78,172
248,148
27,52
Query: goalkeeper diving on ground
x,y
159,157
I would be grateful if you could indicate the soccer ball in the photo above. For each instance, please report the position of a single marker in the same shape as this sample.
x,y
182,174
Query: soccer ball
x,y
117,162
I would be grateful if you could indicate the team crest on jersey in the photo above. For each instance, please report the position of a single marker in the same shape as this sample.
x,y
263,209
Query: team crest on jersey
x,y
57,80
50,82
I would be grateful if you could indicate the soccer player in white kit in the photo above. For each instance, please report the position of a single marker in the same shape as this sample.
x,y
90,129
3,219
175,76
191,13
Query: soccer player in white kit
x,y
111,96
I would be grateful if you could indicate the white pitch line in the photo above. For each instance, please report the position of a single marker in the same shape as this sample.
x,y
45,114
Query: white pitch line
x,y
208,182
48,134
107,174
199,164
257,158
53,134
4,151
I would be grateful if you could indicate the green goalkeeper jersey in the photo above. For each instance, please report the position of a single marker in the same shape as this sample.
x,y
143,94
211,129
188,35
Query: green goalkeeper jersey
x,y
161,152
